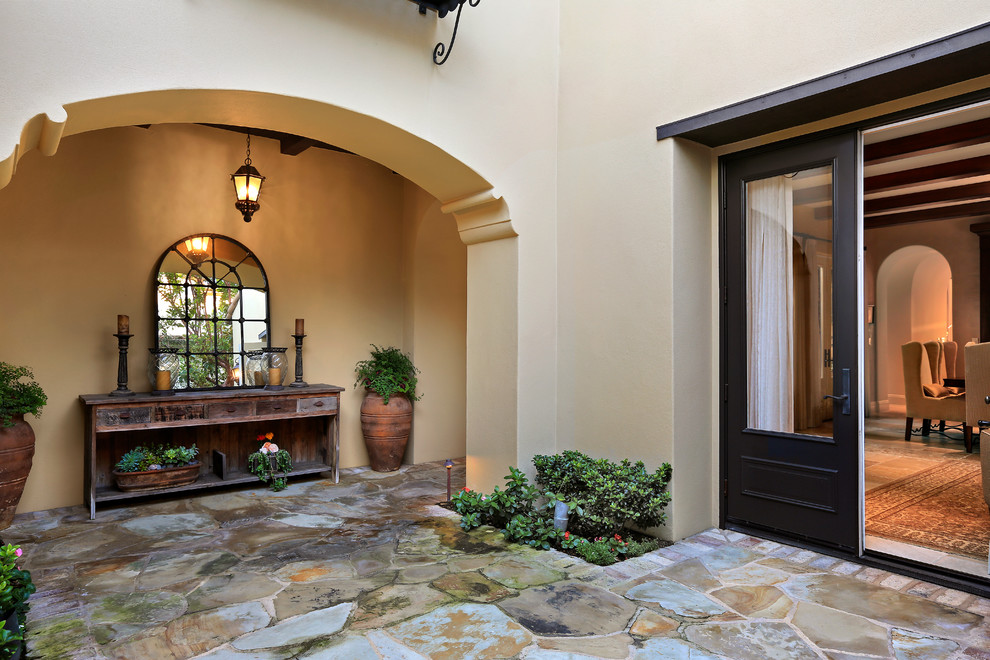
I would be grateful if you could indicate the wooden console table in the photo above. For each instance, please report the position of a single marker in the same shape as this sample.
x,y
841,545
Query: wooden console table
x,y
224,425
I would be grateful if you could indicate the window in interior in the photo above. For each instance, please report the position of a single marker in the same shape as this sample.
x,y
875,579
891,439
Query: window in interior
x,y
212,309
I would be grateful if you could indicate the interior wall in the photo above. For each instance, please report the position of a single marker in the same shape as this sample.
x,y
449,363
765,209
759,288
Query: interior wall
x,y
961,250
435,276
82,235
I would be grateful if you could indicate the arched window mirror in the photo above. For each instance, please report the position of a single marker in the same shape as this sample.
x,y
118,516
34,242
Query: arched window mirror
x,y
211,294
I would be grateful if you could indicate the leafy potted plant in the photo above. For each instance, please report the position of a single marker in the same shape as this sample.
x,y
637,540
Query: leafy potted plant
x,y
389,378
19,396
270,461
162,466
15,588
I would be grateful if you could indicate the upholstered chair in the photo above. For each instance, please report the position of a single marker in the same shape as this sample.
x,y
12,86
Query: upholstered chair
x,y
977,384
985,465
924,405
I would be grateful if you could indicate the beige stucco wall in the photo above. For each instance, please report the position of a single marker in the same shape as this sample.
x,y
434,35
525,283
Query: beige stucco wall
x,y
337,234
596,327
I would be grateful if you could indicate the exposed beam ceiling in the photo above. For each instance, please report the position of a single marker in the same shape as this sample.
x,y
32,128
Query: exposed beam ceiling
x,y
289,144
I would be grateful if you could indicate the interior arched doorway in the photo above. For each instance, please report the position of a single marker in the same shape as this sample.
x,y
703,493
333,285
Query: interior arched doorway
x,y
914,303
482,218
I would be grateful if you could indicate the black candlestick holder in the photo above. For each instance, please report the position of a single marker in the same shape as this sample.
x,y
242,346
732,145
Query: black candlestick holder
x,y
122,341
298,382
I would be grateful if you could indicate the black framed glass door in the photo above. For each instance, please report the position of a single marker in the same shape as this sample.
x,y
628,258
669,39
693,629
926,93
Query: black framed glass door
x,y
790,357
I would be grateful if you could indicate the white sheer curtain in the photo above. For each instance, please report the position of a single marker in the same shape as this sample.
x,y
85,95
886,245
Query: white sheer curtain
x,y
770,312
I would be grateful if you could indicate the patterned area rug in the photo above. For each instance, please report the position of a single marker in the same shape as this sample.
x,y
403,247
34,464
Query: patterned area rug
x,y
941,507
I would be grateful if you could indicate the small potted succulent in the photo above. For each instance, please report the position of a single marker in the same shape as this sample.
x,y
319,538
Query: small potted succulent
x,y
161,466
15,588
19,396
389,379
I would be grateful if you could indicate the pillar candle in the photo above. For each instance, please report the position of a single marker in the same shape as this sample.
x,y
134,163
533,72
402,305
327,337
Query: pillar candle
x,y
163,380
259,378
299,326
274,376
123,324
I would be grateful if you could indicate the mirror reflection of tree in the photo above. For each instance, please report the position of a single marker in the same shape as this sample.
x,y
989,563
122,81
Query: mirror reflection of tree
x,y
212,310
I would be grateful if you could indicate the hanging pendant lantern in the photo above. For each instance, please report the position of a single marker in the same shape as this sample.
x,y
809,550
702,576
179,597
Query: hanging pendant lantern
x,y
247,186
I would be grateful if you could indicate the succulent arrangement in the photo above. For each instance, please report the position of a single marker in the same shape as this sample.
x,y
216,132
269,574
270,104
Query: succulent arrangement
x,y
159,457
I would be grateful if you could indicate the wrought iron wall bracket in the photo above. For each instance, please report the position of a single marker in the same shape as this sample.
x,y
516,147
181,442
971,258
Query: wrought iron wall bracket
x,y
441,51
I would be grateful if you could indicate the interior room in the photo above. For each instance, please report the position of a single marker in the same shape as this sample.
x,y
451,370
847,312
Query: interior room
x,y
926,190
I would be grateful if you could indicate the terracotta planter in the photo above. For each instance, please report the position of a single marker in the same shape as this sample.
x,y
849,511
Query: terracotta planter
x,y
16,452
155,479
386,429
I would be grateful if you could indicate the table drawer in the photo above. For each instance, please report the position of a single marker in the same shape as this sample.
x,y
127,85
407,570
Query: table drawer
x,y
317,404
279,407
123,416
230,410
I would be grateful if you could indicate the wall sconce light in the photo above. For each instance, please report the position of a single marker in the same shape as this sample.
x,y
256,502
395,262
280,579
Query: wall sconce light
x,y
247,186
441,7
198,249
448,464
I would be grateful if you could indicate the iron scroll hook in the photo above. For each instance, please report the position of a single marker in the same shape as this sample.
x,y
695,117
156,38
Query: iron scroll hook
x,y
442,52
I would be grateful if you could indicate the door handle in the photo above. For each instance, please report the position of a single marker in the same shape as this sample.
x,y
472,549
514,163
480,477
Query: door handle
x,y
844,397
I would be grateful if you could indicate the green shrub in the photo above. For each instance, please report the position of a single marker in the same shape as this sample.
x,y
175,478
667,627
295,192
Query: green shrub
x,y
610,495
16,587
600,495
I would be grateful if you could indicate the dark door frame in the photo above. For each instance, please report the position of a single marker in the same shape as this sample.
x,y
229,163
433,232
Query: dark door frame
x,y
963,582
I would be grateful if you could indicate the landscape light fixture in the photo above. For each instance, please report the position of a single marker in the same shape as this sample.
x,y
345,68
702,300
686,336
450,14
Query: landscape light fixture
x,y
448,464
247,186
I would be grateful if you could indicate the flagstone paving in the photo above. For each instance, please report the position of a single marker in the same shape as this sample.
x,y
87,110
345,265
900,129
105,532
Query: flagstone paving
x,y
372,568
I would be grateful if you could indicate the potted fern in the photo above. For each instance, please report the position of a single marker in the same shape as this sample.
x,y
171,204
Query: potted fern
x,y
19,395
162,466
389,379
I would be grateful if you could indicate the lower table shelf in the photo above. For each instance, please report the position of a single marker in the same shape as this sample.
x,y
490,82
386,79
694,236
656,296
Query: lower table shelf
x,y
208,480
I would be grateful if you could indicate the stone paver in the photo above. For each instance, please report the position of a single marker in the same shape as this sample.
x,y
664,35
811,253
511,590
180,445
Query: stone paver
x,y
372,568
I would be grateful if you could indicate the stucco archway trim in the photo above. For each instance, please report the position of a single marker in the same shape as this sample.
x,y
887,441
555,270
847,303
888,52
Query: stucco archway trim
x,y
481,216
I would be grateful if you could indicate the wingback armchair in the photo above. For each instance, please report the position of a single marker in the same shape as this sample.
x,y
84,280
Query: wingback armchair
x,y
921,404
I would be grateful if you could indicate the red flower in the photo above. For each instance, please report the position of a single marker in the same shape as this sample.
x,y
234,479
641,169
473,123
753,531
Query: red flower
x,y
618,538
567,535
467,490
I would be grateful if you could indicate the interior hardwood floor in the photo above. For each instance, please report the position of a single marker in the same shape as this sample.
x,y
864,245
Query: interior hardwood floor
x,y
888,457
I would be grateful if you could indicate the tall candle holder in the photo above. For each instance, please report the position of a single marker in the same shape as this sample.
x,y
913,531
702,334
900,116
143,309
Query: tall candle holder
x,y
298,382
122,340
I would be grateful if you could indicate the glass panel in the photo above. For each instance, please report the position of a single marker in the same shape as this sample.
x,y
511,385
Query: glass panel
x,y
203,371
172,334
228,373
201,336
255,335
251,275
255,304
229,336
173,268
171,299
789,289
201,302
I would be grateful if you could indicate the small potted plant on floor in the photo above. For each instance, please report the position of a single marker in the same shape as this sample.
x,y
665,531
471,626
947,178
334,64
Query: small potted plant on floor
x,y
389,378
19,396
270,464
15,588
162,466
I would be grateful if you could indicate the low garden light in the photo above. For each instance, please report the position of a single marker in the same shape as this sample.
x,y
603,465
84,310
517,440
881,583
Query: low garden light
x,y
448,464
247,186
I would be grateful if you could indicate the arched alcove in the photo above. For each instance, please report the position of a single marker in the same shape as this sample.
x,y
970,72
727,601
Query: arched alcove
x,y
457,190
914,303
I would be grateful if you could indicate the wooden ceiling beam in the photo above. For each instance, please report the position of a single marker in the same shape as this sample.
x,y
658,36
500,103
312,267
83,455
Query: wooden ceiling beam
x,y
950,171
813,195
964,193
971,210
291,145
929,142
